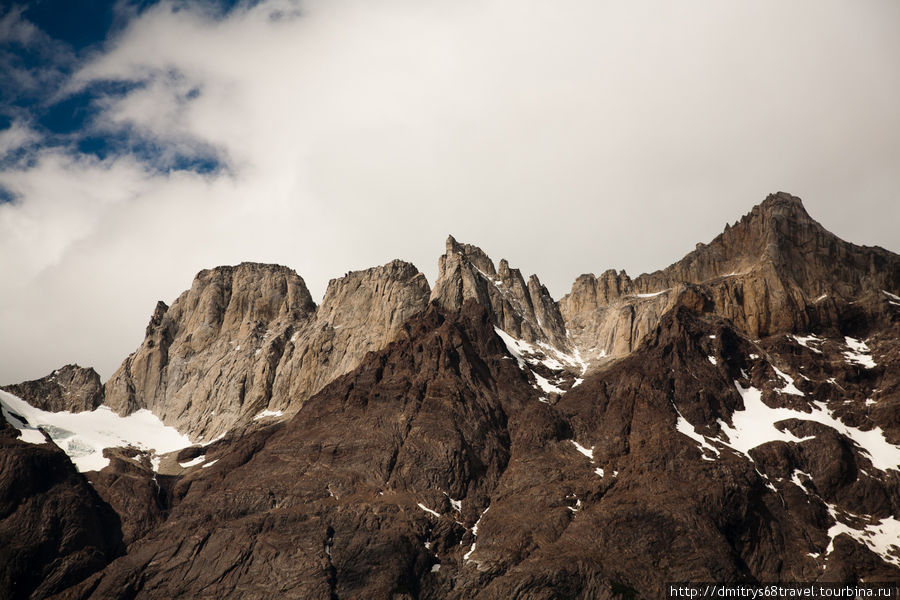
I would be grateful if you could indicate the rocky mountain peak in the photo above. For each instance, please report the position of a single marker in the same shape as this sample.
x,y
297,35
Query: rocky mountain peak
x,y
524,310
248,340
70,388
243,296
350,300
774,270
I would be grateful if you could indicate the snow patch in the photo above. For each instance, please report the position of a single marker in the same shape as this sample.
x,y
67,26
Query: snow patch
x,y
713,360
651,294
587,452
805,341
428,510
789,388
268,413
209,464
456,504
84,435
475,534
858,353
881,537
543,354
517,348
191,463
214,440
755,425
799,482
546,386
684,427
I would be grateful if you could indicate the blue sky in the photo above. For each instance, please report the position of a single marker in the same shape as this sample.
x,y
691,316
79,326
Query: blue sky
x,y
141,142
46,42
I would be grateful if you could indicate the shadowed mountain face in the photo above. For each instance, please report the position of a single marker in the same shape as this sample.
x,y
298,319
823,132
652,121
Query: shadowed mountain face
x,y
734,417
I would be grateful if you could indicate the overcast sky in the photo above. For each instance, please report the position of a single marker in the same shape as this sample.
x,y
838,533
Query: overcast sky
x,y
142,142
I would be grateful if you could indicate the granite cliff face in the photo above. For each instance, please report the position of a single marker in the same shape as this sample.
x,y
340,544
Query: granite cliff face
x,y
734,417
249,338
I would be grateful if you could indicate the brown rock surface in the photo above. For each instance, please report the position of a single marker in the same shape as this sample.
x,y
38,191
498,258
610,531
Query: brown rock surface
x,y
69,388
333,503
54,529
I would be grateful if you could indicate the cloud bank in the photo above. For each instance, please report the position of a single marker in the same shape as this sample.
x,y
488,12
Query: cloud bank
x,y
568,136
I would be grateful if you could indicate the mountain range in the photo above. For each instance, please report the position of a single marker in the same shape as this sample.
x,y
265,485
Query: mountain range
x,y
734,417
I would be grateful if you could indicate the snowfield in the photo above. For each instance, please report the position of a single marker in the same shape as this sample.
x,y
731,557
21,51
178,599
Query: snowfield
x,y
84,435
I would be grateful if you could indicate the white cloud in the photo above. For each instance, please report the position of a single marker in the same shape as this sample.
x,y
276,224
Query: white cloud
x,y
17,135
567,136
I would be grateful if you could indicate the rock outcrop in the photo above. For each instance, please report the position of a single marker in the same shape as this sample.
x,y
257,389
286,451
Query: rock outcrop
x,y
249,338
69,388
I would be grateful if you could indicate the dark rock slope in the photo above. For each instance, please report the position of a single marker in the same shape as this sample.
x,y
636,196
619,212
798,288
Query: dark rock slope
x,y
433,471
54,528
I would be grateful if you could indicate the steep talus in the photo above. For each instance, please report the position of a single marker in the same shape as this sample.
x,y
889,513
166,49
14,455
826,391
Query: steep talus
x,y
70,388
249,338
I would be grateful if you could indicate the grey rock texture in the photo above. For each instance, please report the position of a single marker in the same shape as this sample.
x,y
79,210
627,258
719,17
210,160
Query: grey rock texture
x,y
69,388
524,310
249,338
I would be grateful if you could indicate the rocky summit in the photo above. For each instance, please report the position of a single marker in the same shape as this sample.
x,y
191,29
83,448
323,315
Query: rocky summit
x,y
734,417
